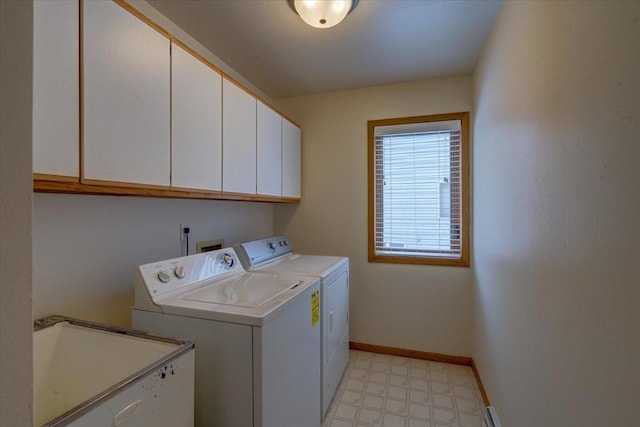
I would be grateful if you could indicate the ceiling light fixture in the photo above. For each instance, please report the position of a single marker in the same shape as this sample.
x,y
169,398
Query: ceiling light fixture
x,y
322,13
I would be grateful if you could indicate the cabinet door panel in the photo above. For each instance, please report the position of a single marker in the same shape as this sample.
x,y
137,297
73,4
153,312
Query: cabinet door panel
x,y
238,140
196,145
56,88
126,98
269,180
290,159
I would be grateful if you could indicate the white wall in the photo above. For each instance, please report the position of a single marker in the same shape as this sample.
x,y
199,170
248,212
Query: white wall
x,y
86,248
16,41
423,308
556,214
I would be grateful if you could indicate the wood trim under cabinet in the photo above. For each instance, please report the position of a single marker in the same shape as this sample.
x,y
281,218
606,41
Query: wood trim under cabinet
x,y
57,178
107,183
424,355
105,188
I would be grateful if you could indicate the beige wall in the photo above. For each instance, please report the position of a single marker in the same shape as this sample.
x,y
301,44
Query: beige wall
x,y
556,214
16,391
86,248
415,307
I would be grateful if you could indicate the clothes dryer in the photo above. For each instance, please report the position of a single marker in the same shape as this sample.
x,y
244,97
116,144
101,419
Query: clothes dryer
x,y
275,255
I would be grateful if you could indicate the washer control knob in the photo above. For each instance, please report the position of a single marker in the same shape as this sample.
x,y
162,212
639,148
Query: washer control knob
x,y
286,243
281,243
164,277
227,260
179,272
272,246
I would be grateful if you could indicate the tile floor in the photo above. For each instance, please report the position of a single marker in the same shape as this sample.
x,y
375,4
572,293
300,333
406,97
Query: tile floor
x,y
390,391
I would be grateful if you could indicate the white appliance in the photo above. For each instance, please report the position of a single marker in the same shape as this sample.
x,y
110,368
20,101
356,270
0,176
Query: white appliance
x,y
92,375
257,335
275,255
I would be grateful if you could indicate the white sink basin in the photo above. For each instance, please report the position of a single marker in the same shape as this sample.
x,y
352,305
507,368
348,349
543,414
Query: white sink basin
x,y
94,375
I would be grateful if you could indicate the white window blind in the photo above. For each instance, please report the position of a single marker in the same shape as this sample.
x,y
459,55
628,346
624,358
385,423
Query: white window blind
x,y
418,189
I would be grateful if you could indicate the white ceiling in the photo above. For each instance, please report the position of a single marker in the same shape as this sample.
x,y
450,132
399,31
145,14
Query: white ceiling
x,y
380,42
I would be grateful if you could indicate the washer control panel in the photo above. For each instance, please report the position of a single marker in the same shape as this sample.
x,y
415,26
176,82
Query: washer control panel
x,y
264,250
164,276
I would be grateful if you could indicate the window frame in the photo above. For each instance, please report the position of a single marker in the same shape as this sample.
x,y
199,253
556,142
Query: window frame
x,y
464,260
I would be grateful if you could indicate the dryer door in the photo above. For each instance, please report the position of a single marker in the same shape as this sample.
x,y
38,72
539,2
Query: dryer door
x,y
336,312
335,335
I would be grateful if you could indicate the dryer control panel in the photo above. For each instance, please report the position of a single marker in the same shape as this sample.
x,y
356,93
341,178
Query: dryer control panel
x,y
261,251
166,276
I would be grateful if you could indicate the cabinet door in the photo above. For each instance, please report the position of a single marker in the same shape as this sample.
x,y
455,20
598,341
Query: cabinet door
x,y
56,81
238,140
126,98
269,164
196,117
290,159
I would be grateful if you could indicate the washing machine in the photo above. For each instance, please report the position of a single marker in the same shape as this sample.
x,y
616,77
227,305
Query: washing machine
x,y
276,255
257,337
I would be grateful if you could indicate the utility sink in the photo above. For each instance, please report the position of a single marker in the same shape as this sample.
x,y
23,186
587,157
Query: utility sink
x,y
89,374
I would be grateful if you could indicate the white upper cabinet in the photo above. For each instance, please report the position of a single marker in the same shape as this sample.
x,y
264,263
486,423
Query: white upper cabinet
x,y
56,77
196,116
126,98
116,104
238,139
290,159
269,164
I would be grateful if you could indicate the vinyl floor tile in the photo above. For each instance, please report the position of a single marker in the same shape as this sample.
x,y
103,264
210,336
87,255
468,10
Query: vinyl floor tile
x,y
379,390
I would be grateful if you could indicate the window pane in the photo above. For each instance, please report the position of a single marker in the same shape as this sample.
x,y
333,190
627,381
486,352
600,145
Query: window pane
x,y
416,193
414,168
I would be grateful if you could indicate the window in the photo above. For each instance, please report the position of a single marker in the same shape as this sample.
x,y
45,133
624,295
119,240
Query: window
x,y
419,190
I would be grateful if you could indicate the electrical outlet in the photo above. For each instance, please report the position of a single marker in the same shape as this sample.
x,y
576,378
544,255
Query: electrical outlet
x,y
182,234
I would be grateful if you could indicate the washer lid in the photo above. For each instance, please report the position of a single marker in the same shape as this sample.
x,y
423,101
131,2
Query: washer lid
x,y
244,290
316,265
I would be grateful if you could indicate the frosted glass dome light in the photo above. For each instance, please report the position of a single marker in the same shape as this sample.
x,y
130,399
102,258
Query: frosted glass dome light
x,y
323,13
